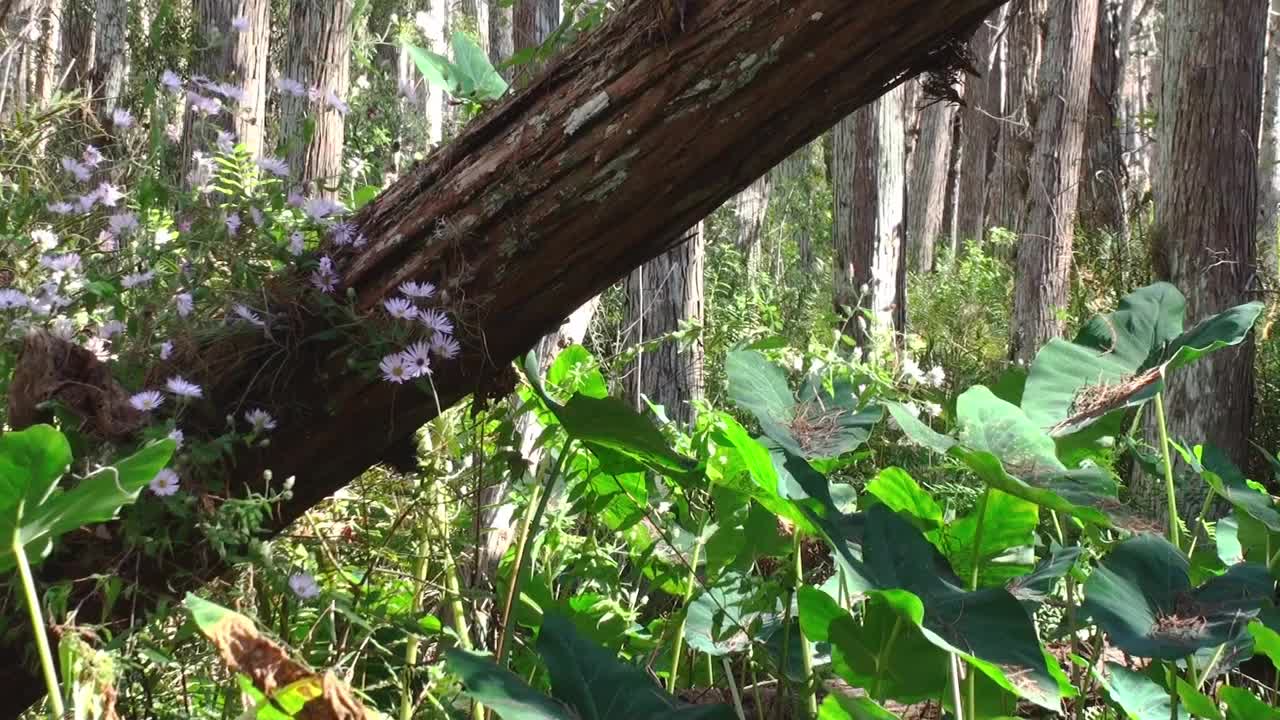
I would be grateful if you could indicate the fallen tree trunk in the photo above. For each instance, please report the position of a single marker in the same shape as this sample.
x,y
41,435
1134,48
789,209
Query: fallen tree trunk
x,y
628,139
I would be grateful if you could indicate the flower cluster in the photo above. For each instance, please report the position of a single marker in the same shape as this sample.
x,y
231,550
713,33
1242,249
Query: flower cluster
x,y
415,360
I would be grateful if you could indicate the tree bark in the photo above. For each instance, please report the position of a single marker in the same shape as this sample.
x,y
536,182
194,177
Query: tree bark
x,y
238,58
533,21
1206,209
1269,159
979,134
869,186
78,42
1044,250
927,191
110,54
663,294
317,54
751,209
1103,181
475,18
1017,138
538,205
501,40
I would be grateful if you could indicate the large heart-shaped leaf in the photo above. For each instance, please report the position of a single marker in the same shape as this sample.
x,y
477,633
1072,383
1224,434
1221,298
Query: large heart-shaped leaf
x,y
1000,541
1120,359
1244,705
719,619
1141,594
1139,696
477,78
501,690
35,512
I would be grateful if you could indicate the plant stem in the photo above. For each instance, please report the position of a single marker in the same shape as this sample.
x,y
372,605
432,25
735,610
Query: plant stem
x,y
806,657
413,643
733,689
955,686
688,595
523,555
888,648
970,677
1198,680
56,709
1175,535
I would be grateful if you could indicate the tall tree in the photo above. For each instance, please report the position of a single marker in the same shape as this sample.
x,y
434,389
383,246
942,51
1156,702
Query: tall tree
x,y
1017,138
869,186
1269,158
501,37
663,294
1103,184
233,44
78,40
475,21
1206,206
927,189
613,186
750,209
1044,249
317,55
533,21
979,133
110,54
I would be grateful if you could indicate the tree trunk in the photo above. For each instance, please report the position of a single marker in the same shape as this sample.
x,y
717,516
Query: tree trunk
x,y
1206,208
238,58
927,191
78,44
317,54
621,168
663,294
475,21
110,54
1044,249
751,209
1102,181
979,132
869,186
433,98
501,40
533,21
1269,159
1017,138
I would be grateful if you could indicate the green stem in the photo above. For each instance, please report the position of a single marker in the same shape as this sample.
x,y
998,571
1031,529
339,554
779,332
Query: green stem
x,y
523,555
688,596
413,644
733,688
1171,496
955,686
56,709
1198,680
970,677
806,657
888,648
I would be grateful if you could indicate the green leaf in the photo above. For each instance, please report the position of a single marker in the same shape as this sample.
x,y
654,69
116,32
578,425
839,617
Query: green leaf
x,y
1244,705
1139,696
1034,587
1003,550
1226,480
1265,638
1196,702
901,493
611,424
718,619
502,690
757,464
843,707
32,509
575,370
478,79
1141,594
438,71
364,196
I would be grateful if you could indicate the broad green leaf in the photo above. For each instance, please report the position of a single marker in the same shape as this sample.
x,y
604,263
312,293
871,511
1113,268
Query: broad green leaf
x,y
919,433
1141,594
1002,539
1266,640
719,619
478,78
844,707
901,493
35,512
502,690
1226,480
757,463
597,686
1139,696
437,69
1196,702
817,611
576,370
1244,705
1034,587
760,387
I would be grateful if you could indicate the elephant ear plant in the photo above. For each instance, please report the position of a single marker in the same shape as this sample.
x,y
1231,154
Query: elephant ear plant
x,y
40,501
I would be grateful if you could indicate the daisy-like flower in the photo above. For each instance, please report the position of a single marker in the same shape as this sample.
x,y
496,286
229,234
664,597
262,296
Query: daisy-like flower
x,y
326,265
248,315
122,119
436,321
324,282
936,376
231,92
260,419
134,280
11,299
164,236
165,483
171,82
184,303
295,199
275,166
76,168
296,243
63,329
86,202
256,215
240,23
122,223
177,437
61,208
400,308
422,290
147,400
445,346
182,388
44,239
166,350
61,265
233,223
91,156
110,329
109,194
933,409
417,357
203,105
319,208
342,233
226,142
289,86
100,348
394,369
304,586
332,100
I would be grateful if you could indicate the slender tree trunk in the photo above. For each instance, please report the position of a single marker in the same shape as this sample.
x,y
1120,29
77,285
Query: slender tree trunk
x,y
236,57
1044,249
549,219
1103,180
1025,41
663,294
1206,208
78,44
1268,232
317,55
533,21
475,21
751,208
111,54
979,132
434,99
927,191
501,40
869,185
